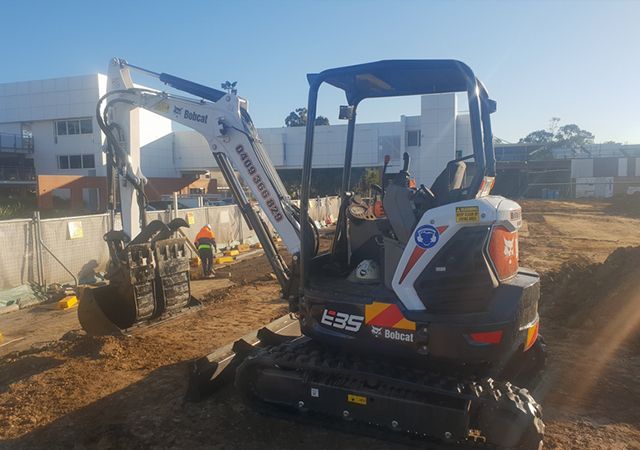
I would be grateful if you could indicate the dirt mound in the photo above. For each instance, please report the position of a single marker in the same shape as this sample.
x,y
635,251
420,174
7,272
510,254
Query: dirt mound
x,y
625,205
595,295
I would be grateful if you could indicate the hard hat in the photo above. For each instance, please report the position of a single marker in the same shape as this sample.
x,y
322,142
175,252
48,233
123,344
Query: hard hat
x,y
367,271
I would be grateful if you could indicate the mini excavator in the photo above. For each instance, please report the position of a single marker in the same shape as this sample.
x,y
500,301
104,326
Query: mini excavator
x,y
431,346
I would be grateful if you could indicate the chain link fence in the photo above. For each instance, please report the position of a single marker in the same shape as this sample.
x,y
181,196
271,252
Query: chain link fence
x,y
72,248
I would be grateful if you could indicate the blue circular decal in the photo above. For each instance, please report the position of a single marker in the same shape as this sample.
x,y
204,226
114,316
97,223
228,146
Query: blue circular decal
x,y
426,236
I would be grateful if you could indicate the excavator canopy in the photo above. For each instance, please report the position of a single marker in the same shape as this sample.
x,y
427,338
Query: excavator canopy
x,y
394,78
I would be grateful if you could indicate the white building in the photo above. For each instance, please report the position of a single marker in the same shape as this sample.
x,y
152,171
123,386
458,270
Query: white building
x,y
58,118
436,136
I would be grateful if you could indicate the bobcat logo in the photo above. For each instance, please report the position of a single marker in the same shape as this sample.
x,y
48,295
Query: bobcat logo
x,y
376,331
177,111
509,248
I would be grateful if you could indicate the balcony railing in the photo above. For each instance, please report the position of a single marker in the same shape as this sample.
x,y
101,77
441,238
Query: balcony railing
x,y
14,173
16,143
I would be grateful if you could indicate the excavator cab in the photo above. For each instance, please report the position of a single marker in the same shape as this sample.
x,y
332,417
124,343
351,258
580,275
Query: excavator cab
x,y
447,253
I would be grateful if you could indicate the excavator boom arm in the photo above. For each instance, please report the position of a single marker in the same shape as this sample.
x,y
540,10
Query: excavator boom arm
x,y
232,138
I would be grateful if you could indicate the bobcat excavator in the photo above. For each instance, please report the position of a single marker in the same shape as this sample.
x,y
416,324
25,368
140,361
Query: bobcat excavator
x,y
423,349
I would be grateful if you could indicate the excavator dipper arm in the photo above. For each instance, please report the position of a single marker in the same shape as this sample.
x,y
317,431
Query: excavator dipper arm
x,y
222,119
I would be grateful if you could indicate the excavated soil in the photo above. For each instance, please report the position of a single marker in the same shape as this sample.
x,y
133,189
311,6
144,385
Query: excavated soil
x,y
127,392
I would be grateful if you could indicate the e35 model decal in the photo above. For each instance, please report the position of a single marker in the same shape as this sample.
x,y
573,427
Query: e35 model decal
x,y
341,321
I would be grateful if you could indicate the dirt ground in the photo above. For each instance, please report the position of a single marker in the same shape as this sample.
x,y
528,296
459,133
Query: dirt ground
x,y
103,393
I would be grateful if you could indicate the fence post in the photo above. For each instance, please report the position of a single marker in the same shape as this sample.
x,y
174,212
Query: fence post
x,y
175,205
239,221
36,236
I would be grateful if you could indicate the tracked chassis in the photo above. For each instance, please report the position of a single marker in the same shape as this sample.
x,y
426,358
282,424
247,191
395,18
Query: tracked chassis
x,y
312,382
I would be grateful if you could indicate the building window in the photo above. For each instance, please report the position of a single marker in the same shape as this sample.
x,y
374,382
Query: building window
x,y
61,198
88,161
76,162
86,126
63,162
91,199
74,126
413,138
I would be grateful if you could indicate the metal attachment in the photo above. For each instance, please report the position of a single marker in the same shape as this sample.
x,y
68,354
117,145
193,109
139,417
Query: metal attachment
x,y
394,424
448,435
346,414
300,404
432,221
228,98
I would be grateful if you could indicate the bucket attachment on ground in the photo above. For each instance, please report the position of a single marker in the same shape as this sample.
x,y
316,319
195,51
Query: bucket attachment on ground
x,y
148,278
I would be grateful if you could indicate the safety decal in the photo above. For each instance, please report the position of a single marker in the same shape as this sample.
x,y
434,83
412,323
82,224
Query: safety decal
x,y
467,214
420,249
357,399
427,236
386,315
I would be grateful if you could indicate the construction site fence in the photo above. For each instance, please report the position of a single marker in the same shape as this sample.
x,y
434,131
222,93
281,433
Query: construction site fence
x,y
71,249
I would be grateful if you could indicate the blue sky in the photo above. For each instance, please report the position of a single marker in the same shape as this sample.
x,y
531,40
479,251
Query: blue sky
x,y
579,61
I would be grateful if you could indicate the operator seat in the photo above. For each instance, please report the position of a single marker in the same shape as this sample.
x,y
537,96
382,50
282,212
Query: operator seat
x,y
446,188
405,206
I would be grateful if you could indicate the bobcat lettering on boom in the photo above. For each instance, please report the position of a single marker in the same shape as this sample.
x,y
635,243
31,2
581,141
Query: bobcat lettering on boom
x,y
272,204
195,116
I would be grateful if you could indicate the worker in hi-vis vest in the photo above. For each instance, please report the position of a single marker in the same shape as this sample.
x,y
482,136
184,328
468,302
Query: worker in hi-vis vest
x,y
206,245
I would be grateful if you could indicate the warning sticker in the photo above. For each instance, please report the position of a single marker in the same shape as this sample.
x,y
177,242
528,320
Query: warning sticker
x,y
466,214
358,399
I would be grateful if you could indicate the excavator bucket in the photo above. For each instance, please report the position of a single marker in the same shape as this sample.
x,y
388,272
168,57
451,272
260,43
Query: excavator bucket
x,y
149,281
91,315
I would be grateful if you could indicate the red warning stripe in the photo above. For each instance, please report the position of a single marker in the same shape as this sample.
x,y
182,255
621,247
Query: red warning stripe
x,y
387,318
416,254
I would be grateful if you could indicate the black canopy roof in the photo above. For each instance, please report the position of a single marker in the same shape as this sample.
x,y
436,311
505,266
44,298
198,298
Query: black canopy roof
x,y
398,77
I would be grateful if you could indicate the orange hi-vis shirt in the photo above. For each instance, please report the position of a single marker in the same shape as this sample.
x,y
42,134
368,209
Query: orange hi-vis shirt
x,y
205,238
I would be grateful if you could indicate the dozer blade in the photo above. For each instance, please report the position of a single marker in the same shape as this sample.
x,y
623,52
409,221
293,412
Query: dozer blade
x,y
215,370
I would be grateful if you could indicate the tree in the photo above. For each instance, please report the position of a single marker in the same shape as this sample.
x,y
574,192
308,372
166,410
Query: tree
x,y
569,136
298,118
321,120
230,87
538,137
371,175
572,136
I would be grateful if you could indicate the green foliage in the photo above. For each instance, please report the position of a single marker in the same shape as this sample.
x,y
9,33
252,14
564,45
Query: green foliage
x,y
538,137
329,181
567,136
371,175
298,118
12,208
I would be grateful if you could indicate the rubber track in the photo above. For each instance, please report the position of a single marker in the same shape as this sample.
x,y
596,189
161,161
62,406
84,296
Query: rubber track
x,y
303,354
